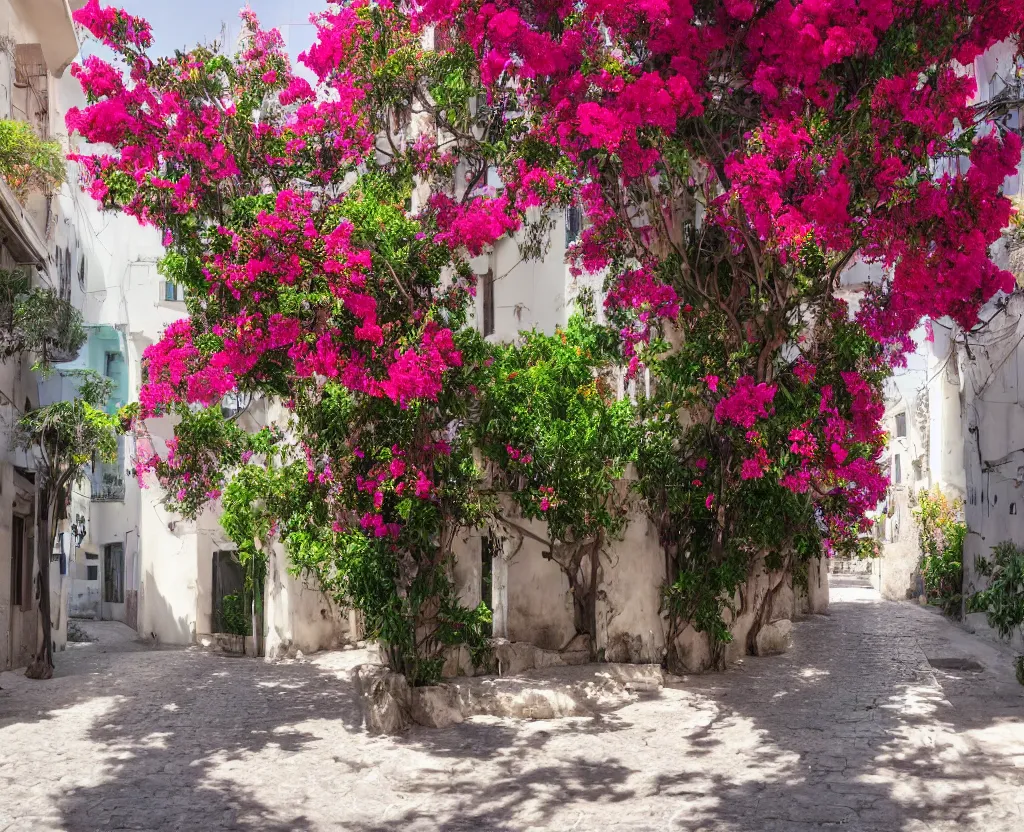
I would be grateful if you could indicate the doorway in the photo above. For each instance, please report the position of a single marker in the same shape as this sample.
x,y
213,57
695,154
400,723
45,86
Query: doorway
x,y
113,582
231,607
21,590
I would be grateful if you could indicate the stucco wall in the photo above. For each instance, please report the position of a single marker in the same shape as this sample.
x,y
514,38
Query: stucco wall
x,y
540,608
467,568
898,569
170,579
630,625
297,615
993,443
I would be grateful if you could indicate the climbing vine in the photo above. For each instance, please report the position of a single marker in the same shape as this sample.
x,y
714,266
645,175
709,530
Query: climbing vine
x,y
765,479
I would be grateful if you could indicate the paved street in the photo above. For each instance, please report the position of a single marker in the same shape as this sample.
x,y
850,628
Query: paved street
x,y
853,729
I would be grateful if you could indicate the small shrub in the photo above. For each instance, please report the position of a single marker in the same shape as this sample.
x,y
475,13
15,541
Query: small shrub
x,y
1003,600
942,533
233,618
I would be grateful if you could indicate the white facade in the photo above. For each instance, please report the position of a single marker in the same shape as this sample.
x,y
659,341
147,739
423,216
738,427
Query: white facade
x,y
42,238
968,422
535,294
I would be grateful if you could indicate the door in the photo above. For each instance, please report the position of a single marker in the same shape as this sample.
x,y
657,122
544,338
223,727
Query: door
x,y
231,610
21,591
113,582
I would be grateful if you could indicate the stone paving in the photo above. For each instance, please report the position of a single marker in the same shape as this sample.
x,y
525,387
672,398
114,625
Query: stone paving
x,y
853,729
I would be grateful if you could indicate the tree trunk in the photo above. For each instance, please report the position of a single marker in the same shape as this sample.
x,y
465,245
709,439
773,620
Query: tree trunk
x,y
583,587
46,514
763,615
595,567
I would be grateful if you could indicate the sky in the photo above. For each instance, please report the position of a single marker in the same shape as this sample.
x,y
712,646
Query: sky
x,y
178,24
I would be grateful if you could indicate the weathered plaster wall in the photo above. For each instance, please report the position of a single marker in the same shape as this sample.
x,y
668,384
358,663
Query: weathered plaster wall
x,y
992,434
630,624
298,616
17,621
993,442
540,608
532,294
898,570
539,601
814,599
467,567
170,574
45,36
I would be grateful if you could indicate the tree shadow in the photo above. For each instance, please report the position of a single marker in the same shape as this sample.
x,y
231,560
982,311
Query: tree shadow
x,y
857,732
171,728
851,730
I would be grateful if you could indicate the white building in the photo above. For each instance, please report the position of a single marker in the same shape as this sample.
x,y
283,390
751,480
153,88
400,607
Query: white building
x,y
956,417
42,238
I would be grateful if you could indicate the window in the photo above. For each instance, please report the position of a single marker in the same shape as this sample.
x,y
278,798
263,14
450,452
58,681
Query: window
x,y
91,556
113,573
897,472
489,303
17,561
92,573
81,274
573,225
173,293
901,424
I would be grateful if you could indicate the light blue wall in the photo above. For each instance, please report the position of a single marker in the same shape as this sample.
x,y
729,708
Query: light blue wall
x,y
104,354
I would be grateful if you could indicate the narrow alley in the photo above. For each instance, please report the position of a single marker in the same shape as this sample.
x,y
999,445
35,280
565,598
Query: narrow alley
x,y
854,728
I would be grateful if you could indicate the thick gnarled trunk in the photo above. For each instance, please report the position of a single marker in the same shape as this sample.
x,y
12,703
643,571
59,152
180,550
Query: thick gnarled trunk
x,y
41,666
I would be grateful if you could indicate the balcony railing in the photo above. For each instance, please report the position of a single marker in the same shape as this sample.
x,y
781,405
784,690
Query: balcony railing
x,y
110,489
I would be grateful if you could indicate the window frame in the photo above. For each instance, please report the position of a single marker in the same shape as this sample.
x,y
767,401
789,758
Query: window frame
x,y
487,326
900,425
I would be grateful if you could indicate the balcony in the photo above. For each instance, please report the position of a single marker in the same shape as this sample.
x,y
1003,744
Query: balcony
x,y
107,478
51,20
108,488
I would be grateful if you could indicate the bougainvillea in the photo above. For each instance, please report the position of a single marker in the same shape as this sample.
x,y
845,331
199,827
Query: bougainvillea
x,y
312,284
732,158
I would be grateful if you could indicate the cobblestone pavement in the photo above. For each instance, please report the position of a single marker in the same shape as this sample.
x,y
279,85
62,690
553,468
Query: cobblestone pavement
x,y
853,729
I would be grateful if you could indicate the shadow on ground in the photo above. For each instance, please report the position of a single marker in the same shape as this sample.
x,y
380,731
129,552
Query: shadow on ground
x,y
849,730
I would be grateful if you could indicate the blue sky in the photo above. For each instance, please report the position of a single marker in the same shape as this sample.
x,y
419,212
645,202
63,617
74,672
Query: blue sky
x,y
183,23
